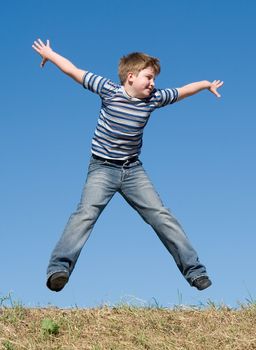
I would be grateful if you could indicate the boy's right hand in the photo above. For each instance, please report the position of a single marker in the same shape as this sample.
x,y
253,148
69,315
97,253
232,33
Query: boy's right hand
x,y
61,62
43,50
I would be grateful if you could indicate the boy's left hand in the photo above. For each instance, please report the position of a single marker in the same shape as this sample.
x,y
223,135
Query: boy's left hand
x,y
214,86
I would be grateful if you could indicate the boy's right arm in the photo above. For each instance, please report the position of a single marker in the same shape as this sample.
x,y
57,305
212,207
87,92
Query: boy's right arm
x,y
67,67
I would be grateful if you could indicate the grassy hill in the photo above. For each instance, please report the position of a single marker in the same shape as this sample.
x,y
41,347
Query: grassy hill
x,y
128,328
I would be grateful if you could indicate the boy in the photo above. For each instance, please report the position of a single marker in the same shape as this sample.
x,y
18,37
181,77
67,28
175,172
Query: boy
x,y
115,166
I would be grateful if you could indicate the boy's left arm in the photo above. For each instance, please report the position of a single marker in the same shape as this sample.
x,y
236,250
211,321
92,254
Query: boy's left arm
x,y
194,88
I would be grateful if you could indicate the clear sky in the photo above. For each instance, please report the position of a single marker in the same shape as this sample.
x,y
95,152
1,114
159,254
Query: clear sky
x,y
200,152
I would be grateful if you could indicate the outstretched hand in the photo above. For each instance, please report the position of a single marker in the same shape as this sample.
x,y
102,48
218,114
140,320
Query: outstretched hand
x,y
43,50
215,85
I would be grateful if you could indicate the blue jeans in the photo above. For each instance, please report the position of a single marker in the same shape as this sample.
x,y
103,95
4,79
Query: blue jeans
x,y
104,179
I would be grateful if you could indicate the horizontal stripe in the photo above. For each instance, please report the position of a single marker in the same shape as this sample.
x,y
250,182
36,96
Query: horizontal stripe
x,y
121,145
119,141
116,136
110,118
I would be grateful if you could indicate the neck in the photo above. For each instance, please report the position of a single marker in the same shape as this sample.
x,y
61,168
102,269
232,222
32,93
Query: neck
x,y
129,90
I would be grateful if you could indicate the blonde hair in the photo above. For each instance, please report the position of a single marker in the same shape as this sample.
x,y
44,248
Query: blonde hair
x,y
135,62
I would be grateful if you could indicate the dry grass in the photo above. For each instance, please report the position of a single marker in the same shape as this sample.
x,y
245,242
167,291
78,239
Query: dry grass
x,y
129,328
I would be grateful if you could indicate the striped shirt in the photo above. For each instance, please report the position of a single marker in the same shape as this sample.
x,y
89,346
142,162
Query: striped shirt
x,y
119,130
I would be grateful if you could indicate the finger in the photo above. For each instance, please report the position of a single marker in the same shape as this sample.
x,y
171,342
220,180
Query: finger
x,y
217,86
216,82
37,44
40,42
36,49
43,63
48,42
216,93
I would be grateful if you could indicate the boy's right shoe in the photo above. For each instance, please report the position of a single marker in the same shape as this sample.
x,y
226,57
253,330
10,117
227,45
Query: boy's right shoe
x,y
57,281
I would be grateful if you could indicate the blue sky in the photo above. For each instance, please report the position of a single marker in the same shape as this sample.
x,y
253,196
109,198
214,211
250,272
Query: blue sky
x,y
200,153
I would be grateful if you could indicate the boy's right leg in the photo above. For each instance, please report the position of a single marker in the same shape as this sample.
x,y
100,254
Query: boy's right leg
x,y
100,186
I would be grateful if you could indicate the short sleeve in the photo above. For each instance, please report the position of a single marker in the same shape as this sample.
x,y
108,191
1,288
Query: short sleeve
x,y
163,97
99,85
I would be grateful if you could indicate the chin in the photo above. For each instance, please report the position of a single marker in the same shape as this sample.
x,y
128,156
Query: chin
x,y
146,94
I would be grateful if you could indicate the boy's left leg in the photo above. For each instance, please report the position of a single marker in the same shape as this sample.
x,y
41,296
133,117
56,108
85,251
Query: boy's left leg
x,y
139,192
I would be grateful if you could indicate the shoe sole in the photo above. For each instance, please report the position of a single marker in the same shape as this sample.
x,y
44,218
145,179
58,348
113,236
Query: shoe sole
x,y
57,281
202,284
205,285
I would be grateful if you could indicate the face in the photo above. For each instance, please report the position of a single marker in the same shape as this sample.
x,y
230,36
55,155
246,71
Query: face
x,y
141,84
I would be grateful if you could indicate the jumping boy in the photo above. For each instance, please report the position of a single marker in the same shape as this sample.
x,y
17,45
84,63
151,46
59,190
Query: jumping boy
x,y
115,165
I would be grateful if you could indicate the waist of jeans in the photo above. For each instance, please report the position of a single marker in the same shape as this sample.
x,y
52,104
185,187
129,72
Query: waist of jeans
x,y
117,161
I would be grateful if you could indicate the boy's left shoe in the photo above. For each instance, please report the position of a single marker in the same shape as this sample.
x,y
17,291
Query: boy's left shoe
x,y
57,281
202,282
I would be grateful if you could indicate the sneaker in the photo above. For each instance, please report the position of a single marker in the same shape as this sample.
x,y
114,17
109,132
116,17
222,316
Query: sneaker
x,y
202,282
57,281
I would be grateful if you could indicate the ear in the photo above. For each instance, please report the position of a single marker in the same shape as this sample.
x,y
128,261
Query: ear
x,y
130,77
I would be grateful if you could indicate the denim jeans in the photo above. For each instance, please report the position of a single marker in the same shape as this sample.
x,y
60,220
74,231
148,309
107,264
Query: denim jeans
x,y
104,179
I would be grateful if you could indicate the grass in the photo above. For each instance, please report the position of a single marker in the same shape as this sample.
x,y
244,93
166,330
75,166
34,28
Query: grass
x,y
126,327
